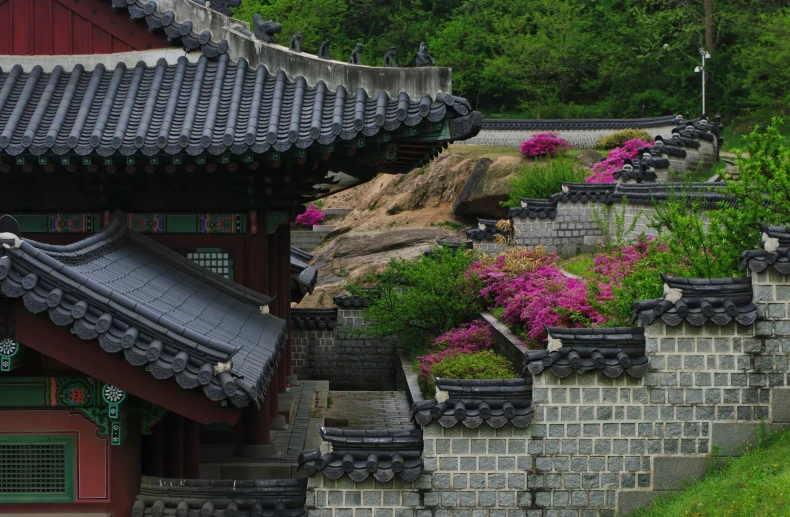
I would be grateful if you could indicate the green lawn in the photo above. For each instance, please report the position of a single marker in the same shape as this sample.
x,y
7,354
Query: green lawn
x,y
754,485
578,265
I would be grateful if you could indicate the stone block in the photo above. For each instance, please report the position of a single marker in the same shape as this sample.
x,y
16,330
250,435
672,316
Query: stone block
x,y
629,501
672,473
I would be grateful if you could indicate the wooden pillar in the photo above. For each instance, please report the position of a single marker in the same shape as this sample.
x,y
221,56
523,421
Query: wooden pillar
x,y
275,260
272,392
174,446
156,461
258,421
191,449
284,291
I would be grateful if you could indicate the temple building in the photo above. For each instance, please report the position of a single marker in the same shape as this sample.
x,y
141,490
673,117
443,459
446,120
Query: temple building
x,y
152,156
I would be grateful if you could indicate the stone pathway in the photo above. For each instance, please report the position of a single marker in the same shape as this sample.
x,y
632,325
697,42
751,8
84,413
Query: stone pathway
x,y
292,441
371,409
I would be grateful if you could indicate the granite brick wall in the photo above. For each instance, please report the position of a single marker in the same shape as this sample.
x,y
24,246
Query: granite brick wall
x,y
325,355
599,446
580,139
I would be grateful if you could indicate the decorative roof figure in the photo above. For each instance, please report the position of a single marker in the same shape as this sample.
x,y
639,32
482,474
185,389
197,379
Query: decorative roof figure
x,y
323,52
389,58
296,42
265,30
356,55
223,6
423,57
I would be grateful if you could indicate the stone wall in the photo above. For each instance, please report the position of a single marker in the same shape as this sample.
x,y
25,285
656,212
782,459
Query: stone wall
x,y
323,354
578,138
598,445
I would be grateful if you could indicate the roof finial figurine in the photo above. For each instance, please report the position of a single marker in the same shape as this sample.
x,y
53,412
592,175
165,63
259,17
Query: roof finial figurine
x,y
265,30
223,6
323,52
296,42
389,58
356,55
423,57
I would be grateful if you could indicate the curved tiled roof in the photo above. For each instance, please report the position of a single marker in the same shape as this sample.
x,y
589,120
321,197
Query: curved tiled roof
x,y
698,300
639,171
777,240
610,350
534,209
201,107
314,319
584,193
193,34
486,230
229,498
581,124
474,401
159,309
362,453
303,275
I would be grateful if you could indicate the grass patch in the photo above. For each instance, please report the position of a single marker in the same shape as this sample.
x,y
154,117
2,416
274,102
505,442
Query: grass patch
x,y
735,132
449,225
541,179
578,265
753,485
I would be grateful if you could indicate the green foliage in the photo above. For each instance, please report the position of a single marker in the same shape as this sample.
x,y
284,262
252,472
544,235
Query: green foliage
x,y
579,265
618,138
482,365
420,299
752,485
567,58
711,241
543,178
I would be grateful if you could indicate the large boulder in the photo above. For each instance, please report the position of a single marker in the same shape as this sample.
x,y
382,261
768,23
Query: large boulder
x,y
487,187
352,256
589,157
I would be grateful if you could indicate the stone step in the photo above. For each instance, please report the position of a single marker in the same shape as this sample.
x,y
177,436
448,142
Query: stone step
x,y
337,213
324,228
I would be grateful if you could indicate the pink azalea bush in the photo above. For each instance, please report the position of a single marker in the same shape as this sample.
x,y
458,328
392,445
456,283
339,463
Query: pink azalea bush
x,y
534,298
604,170
310,217
544,144
467,338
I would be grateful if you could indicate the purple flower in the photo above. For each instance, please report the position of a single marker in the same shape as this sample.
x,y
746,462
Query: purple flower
x,y
544,144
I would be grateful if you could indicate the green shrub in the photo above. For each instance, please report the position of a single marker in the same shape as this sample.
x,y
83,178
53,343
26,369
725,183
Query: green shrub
x,y
482,365
542,179
423,298
617,139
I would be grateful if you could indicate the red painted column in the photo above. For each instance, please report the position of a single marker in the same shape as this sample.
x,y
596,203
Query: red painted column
x,y
285,291
258,431
174,446
271,394
191,449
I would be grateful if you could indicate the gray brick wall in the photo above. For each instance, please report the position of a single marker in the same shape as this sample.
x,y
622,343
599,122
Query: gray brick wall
x,y
598,445
325,355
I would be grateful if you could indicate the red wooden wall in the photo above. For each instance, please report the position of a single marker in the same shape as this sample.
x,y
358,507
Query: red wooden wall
x,y
59,27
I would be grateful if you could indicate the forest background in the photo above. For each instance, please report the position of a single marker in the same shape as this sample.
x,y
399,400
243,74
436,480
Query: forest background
x,y
570,58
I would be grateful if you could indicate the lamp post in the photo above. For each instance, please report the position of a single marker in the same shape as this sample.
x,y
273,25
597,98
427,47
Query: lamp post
x,y
701,69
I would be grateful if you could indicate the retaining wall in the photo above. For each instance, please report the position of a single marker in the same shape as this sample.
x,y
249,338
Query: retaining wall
x,y
597,445
578,138
323,354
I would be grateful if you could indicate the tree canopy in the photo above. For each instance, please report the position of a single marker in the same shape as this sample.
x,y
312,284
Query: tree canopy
x,y
568,58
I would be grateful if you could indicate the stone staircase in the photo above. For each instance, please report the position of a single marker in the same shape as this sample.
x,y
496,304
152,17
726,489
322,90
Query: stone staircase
x,y
293,430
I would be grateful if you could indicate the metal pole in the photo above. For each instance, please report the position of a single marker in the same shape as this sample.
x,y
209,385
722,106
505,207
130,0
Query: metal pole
x,y
703,82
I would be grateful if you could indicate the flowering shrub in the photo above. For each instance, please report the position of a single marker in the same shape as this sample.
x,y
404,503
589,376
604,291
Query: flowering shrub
x,y
481,365
467,338
604,170
538,295
629,273
544,144
618,138
311,216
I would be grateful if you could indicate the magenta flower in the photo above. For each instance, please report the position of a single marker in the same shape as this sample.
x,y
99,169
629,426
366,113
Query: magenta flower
x,y
544,144
311,216
604,170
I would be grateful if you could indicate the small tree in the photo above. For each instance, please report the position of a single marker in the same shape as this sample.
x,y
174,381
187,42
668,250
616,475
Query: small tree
x,y
421,299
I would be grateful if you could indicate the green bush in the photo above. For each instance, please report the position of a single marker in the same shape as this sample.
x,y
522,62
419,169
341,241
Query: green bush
x,y
482,365
542,179
423,298
618,138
